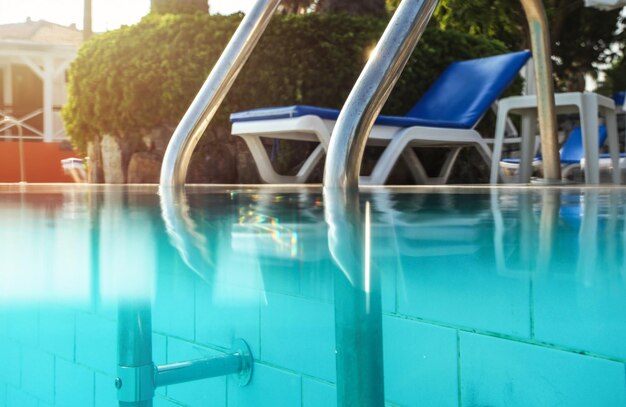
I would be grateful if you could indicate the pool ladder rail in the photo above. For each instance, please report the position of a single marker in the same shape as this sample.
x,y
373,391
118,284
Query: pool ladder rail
x,y
367,97
137,384
137,375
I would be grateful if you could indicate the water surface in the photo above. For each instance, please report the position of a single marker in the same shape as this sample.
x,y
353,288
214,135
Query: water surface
x,y
434,297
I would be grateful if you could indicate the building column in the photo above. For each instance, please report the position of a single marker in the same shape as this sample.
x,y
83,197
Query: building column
x,y
7,94
48,98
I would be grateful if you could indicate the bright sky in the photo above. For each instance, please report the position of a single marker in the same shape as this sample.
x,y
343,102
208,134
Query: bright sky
x,y
107,14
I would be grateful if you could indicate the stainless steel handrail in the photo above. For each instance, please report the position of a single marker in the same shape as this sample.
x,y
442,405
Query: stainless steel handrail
x,y
212,93
540,43
347,143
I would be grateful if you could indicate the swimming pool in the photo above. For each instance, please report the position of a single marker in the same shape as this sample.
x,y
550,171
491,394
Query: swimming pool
x,y
420,296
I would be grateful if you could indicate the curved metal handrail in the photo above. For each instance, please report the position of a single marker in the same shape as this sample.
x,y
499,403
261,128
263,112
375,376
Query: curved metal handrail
x,y
347,143
212,93
367,97
540,44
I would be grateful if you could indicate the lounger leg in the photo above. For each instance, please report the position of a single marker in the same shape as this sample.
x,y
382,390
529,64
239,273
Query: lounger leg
x,y
311,162
498,143
425,137
484,151
264,164
589,124
387,160
418,172
611,127
529,129
446,168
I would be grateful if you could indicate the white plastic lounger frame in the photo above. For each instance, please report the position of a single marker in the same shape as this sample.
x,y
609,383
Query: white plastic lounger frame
x,y
396,139
587,105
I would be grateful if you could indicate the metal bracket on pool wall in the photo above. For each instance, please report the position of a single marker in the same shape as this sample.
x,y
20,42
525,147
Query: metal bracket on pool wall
x,y
136,384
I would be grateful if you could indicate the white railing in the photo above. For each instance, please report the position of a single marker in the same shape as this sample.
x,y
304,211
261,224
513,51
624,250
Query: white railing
x,y
35,134
12,122
20,124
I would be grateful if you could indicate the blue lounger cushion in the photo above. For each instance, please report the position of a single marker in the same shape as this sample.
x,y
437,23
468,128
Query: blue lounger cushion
x,y
466,90
456,100
572,151
273,113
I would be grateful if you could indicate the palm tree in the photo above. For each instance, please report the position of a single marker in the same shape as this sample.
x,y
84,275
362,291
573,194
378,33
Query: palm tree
x,y
87,27
179,6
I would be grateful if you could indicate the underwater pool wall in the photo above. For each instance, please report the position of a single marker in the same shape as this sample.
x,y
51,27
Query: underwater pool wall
x,y
463,325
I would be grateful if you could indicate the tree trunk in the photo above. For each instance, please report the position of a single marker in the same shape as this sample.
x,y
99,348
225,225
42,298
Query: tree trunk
x,y
356,7
87,19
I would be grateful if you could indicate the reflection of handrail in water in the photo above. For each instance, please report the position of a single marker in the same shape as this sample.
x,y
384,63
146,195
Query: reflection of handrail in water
x,y
137,375
15,122
183,233
358,306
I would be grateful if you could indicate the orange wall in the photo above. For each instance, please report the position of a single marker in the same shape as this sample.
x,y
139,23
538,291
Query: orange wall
x,y
42,162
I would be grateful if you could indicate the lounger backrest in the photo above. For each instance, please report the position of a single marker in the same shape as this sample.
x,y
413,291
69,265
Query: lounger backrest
x,y
465,90
573,151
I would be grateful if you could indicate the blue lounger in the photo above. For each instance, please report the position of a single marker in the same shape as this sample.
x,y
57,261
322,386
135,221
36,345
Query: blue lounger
x,y
445,116
572,154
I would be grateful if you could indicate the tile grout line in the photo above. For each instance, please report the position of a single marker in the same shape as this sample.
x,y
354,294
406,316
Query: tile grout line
x,y
260,303
508,337
531,304
54,383
458,367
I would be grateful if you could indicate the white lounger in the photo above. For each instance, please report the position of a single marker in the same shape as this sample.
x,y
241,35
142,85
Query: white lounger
x,y
444,117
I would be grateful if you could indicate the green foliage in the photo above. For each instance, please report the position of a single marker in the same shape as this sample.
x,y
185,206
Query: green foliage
x,y
135,79
295,6
615,80
179,6
392,5
353,7
581,37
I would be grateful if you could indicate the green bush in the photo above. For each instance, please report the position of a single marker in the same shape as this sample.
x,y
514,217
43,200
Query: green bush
x,y
138,78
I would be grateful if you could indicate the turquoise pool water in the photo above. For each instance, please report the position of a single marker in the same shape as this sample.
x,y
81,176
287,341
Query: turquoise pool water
x,y
436,297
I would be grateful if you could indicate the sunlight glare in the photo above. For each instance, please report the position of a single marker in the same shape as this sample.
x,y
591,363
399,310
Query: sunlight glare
x,y
106,14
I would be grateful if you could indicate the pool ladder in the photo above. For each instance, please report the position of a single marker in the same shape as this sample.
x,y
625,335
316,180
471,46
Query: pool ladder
x,y
344,156
367,97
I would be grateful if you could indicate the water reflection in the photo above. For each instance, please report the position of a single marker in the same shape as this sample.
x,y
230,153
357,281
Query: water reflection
x,y
44,248
325,287
358,308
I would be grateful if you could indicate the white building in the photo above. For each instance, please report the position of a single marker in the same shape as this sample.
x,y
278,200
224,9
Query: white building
x,y
34,57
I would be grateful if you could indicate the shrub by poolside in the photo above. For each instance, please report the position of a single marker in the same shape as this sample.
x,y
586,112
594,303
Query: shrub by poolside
x,y
131,81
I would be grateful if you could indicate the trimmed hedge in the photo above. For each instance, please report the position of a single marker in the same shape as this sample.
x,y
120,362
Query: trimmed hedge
x,y
130,81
